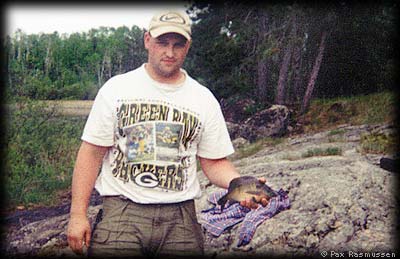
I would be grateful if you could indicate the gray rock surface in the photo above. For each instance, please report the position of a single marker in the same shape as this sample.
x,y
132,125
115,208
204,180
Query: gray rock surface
x,y
343,202
266,123
46,237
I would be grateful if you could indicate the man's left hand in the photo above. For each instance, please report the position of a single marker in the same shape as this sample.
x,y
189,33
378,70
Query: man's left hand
x,y
249,203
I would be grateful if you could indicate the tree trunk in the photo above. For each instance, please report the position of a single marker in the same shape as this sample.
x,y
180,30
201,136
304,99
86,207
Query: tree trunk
x,y
283,73
296,74
120,68
296,62
27,54
262,68
314,74
262,79
104,66
47,60
109,67
19,52
102,70
99,81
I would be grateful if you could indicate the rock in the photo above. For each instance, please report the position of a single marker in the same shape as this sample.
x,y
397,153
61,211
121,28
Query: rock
x,y
274,118
390,164
239,142
42,231
237,111
46,234
266,123
233,129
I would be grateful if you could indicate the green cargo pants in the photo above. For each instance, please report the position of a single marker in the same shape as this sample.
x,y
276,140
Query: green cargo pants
x,y
130,229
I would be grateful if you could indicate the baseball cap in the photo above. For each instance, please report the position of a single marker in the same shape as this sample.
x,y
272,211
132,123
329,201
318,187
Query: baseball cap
x,y
170,21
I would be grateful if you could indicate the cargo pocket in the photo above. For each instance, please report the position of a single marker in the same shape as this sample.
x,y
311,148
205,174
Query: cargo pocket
x,y
99,247
195,226
100,236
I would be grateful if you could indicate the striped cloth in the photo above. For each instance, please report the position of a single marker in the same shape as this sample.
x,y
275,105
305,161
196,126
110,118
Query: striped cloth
x,y
216,221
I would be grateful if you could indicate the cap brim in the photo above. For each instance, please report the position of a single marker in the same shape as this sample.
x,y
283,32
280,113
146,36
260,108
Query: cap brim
x,y
169,29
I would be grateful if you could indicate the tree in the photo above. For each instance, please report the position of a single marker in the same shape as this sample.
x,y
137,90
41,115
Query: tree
x,y
53,66
314,73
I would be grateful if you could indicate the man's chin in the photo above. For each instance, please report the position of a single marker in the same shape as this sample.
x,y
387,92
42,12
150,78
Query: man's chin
x,y
169,72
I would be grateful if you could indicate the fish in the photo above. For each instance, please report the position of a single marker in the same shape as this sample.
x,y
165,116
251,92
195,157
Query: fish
x,y
246,187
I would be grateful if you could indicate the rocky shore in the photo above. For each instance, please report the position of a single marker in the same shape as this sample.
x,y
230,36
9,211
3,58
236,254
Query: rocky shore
x,y
342,202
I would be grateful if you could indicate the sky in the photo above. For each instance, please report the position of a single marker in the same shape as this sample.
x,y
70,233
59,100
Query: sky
x,y
34,19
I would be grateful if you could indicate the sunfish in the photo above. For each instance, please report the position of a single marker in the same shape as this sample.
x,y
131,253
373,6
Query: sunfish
x,y
246,187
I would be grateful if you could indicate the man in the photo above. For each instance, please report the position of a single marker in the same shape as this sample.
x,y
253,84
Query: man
x,y
148,206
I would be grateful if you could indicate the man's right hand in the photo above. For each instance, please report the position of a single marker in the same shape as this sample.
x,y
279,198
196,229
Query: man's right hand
x,y
79,233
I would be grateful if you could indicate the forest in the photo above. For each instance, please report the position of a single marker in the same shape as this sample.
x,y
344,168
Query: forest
x,y
277,53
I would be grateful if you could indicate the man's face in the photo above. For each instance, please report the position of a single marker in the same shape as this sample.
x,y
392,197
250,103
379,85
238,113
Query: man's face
x,y
166,53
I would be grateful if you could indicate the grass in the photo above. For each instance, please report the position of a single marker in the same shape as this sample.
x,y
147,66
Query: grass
x,y
377,108
336,132
40,153
325,114
378,143
330,151
253,148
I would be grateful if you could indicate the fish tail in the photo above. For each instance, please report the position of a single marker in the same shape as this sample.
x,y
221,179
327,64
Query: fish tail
x,y
222,201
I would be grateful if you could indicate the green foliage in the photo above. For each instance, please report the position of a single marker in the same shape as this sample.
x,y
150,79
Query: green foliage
x,y
40,152
336,132
336,135
330,151
52,66
360,50
378,143
362,109
230,44
376,108
251,149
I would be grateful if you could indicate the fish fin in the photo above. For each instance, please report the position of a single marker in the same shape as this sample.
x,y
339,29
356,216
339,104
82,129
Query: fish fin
x,y
222,201
265,188
240,181
253,192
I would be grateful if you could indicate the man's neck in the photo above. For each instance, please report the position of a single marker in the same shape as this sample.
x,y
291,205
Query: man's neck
x,y
177,79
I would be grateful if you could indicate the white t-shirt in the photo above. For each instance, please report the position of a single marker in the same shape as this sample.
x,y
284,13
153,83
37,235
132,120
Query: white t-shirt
x,y
155,132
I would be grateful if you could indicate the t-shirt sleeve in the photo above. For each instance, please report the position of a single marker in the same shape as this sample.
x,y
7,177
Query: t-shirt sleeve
x,y
215,141
99,127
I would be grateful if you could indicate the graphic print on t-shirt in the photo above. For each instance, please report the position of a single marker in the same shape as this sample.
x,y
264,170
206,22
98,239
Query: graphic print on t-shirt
x,y
140,142
150,141
153,140
167,141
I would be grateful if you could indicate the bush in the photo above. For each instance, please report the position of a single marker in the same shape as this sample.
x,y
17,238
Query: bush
x,y
378,143
40,152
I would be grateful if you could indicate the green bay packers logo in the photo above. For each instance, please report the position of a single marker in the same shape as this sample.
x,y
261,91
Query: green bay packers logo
x,y
146,179
172,17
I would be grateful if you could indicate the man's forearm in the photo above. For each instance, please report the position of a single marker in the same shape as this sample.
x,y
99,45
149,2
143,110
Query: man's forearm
x,y
219,171
84,177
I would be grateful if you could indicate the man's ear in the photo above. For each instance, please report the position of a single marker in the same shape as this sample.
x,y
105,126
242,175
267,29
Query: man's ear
x,y
188,44
146,39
